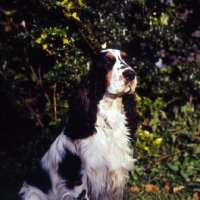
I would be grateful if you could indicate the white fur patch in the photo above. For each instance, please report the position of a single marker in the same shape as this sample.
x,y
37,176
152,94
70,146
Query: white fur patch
x,y
57,152
29,192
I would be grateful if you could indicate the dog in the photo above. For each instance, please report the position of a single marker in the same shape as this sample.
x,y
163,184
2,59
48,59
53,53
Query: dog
x,y
91,158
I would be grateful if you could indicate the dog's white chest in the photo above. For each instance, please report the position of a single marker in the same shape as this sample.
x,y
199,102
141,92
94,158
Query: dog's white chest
x,y
107,154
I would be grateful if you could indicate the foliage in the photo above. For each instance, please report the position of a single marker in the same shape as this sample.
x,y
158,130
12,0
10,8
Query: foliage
x,y
47,46
177,158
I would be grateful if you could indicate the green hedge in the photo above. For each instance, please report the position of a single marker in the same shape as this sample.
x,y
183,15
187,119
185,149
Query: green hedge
x,y
47,46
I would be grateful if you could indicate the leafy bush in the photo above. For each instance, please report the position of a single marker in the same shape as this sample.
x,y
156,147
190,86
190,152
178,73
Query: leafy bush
x,y
176,158
47,46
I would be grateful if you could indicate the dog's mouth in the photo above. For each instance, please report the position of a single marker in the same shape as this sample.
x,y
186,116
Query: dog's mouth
x,y
126,87
128,90
130,87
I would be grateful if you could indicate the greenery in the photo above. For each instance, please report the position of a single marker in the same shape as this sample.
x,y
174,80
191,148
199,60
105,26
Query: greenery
x,y
46,47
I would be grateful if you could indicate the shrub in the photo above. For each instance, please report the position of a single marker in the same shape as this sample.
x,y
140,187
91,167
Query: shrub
x,y
47,46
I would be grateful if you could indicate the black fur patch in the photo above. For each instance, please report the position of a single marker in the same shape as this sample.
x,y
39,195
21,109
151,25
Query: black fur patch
x,y
70,169
81,195
130,110
40,178
82,115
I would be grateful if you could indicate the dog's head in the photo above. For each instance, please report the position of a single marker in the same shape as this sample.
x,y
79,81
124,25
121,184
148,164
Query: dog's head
x,y
112,67
109,74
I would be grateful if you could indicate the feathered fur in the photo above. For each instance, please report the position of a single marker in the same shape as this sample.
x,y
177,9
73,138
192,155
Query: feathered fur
x,y
91,158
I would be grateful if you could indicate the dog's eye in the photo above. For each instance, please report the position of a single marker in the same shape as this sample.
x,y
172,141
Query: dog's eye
x,y
108,61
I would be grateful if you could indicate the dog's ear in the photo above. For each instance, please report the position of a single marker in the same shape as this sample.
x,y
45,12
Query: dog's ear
x,y
130,110
82,116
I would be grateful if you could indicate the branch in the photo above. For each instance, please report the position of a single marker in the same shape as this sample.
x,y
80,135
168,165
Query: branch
x,y
38,78
87,41
54,102
40,82
3,75
82,35
32,70
31,110
2,10
165,157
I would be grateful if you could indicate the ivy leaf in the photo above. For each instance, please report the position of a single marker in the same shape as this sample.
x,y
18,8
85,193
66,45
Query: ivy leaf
x,y
164,19
74,15
134,177
157,141
44,46
80,3
163,114
43,36
69,5
173,138
184,174
196,149
38,40
65,41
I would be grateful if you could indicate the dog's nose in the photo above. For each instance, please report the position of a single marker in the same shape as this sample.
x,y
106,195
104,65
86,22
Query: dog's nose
x,y
129,74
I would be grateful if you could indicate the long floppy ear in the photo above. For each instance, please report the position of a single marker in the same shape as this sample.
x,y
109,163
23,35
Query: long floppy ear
x,y
82,116
130,110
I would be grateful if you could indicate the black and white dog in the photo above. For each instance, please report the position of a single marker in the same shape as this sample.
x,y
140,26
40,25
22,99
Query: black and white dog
x,y
91,158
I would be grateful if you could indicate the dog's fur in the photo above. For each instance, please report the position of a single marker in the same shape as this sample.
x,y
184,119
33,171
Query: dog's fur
x,y
91,158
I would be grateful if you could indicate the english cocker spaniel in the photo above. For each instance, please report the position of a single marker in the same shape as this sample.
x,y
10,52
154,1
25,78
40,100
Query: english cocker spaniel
x,y
91,158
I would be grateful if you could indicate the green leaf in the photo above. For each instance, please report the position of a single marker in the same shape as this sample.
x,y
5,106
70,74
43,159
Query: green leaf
x,y
173,138
134,175
139,170
196,149
43,36
164,19
174,165
190,170
131,182
33,77
184,174
44,46
38,40
80,3
74,15
65,41
163,114
186,161
175,109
